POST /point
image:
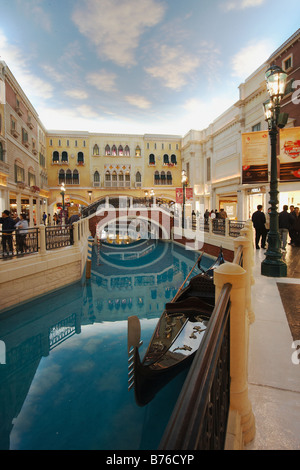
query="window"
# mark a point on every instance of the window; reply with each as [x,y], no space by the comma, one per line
[68,143]
[148,145]
[59,142]
[31,178]
[120,150]
[75,177]
[156,178]
[76,143]
[24,137]
[114,150]
[138,179]
[170,146]
[68,176]
[19,174]
[137,151]
[289,87]
[121,179]
[55,157]
[127,151]
[127,179]
[287,63]
[177,147]
[256,127]
[80,158]
[169,177]
[107,150]
[208,171]
[51,142]
[162,146]
[84,143]
[151,159]
[95,150]
[163,178]
[61,177]
[166,159]
[96,178]
[173,159]
[64,157]
[107,178]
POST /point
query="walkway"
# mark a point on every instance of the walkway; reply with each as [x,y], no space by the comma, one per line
[274,380]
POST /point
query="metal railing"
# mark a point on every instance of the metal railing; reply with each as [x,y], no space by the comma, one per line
[199,419]
[19,243]
[58,236]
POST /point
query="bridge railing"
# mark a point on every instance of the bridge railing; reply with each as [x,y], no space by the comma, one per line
[216,384]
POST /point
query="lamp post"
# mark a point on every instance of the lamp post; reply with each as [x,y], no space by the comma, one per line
[273,264]
[90,195]
[62,192]
[184,185]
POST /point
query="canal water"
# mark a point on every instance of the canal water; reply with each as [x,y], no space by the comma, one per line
[63,380]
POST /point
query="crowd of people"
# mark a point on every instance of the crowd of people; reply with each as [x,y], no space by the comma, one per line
[12,223]
[289,226]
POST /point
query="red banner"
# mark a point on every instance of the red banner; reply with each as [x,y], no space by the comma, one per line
[188,195]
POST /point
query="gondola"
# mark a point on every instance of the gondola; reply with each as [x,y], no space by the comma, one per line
[176,338]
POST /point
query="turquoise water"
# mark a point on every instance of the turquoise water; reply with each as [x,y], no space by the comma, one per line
[64,381]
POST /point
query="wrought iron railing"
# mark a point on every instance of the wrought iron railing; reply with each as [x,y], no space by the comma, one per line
[58,236]
[18,243]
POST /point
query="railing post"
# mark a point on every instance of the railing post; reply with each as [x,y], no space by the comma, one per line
[42,247]
[247,265]
[75,233]
[239,402]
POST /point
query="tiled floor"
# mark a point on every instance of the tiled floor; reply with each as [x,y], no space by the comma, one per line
[274,379]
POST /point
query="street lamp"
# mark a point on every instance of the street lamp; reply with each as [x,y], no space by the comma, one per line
[273,264]
[90,195]
[184,185]
[62,192]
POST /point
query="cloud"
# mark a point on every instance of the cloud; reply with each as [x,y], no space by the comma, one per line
[252,56]
[34,87]
[242,4]
[77,94]
[115,26]
[138,101]
[102,80]
[174,66]
[34,9]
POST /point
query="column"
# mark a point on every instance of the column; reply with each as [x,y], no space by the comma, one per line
[236,276]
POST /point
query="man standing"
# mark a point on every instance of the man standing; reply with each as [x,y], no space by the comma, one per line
[284,225]
[259,220]
[8,226]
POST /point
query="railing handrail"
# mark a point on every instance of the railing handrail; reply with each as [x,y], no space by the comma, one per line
[185,428]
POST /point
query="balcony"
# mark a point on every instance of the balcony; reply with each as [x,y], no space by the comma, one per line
[19,111]
[14,132]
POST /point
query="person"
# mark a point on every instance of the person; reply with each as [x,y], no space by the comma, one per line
[284,220]
[8,226]
[222,214]
[259,220]
[21,234]
[44,218]
[292,213]
[295,229]
[72,219]
[213,214]
[206,216]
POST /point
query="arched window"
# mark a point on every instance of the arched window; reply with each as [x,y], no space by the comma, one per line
[137,151]
[120,150]
[64,156]
[114,178]
[156,177]
[75,177]
[107,179]
[163,177]
[138,177]
[151,159]
[114,150]
[121,179]
[96,177]
[55,156]
[127,151]
[107,150]
[80,157]
[173,159]
[68,176]
[166,158]
[61,177]
[169,177]
[127,179]
[96,150]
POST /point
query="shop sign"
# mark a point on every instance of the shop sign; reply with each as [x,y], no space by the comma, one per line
[290,154]
[255,157]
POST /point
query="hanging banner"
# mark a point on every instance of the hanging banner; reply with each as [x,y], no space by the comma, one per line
[189,194]
[179,195]
[255,157]
[290,154]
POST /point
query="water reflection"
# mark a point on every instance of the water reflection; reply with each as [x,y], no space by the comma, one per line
[64,381]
